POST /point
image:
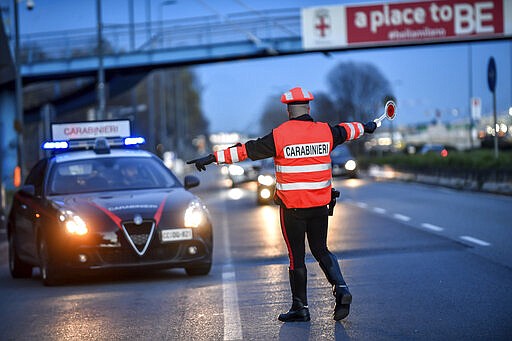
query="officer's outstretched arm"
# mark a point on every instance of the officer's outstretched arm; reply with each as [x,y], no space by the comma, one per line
[355,130]
[202,162]
[226,156]
[233,154]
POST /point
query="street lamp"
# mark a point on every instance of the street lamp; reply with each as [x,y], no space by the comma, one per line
[101,86]
[163,81]
[18,123]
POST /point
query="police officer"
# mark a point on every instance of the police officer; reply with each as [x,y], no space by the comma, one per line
[301,150]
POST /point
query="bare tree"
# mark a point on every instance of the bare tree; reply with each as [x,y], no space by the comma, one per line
[358,90]
[197,123]
[323,109]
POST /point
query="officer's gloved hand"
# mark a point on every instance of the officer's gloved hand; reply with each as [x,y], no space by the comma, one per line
[370,127]
[202,162]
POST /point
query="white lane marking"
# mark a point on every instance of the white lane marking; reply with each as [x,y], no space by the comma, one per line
[232,325]
[424,225]
[361,204]
[445,190]
[475,240]
[432,227]
[231,309]
[401,217]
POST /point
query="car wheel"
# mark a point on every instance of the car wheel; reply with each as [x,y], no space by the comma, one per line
[199,270]
[18,268]
[49,271]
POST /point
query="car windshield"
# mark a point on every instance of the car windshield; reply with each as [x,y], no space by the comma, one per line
[109,174]
[340,151]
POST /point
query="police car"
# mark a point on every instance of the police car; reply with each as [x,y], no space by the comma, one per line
[99,203]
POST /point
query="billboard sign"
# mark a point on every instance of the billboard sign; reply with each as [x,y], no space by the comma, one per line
[405,22]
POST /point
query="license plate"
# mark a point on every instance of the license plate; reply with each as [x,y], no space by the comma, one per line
[176,235]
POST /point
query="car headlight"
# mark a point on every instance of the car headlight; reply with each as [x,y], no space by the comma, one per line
[235,170]
[350,165]
[195,214]
[265,193]
[266,180]
[74,224]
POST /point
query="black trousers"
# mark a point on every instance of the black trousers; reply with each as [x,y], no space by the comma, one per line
[296,224]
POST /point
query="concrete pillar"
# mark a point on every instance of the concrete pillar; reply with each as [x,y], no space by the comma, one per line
[7,137]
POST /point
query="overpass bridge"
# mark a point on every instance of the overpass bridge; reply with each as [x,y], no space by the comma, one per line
[132,48]
[141,47]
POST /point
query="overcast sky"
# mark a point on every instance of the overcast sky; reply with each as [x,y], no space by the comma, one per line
[425,79]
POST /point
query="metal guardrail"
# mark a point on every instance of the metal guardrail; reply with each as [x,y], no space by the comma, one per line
[493,181]
[258,27]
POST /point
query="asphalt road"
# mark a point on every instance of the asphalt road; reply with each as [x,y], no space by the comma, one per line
[423,263]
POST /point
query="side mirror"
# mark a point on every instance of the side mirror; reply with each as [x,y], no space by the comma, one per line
[28,189]
[191,181]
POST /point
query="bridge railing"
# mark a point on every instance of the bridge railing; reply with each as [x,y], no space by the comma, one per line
[257,27]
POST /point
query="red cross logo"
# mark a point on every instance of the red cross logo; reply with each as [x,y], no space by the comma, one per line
[323,23]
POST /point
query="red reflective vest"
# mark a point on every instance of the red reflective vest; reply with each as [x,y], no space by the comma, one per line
[303,163]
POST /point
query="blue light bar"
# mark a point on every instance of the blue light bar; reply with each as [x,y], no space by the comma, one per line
[132,141]
[54,145]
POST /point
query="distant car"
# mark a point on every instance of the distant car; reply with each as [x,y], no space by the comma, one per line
[434,149]
[241,172]
[266,182]
[106,208]
[343,163]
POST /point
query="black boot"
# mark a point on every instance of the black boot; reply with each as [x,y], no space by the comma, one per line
[331,268]
[343,300]
[299,312]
